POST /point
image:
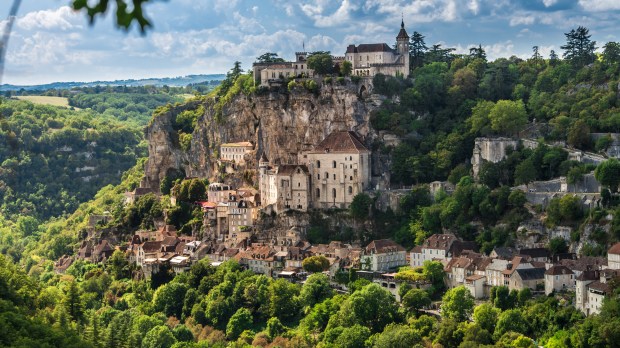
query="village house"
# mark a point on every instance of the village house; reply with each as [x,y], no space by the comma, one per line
[439,247]
[218,192]
[532,278]
[494,272]
[468,264]
[559,278]
[275,72]
[339,169]
[383,255]
[613,257]
[241,216]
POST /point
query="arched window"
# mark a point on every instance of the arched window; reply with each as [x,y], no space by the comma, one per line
[318,164]
[326,175]
[334,193]
[333,164]
[350,190]
[318,193]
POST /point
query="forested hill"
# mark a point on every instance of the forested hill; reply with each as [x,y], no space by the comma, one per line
[54,158]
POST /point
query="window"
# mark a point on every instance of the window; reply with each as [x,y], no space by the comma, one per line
[333,164]
[318,175]
[318,193]
[350,190]
[326,176]
[318,164]
[334,176]
[334,193]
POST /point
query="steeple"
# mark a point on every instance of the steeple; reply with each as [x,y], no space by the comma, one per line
[402,34]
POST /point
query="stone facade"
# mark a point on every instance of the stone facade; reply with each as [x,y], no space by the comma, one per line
[285,186]
[339,169]
[491,150]
[236,152]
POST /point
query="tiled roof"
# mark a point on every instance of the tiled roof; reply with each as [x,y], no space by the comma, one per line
[558,270]
[341,141]
[151,246]
[289,169]
[531,273]
[615,249]
[505,253]
[599,287]
[535,252]
[369,48]
[439,241]
[402,34]
[381,246]
[239,144]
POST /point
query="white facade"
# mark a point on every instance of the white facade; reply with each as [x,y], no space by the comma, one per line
[235,151]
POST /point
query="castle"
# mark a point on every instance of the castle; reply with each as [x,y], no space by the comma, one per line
[366,60]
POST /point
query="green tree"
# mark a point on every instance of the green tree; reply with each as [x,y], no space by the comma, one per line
[314,264]
[315,290]
[579,135]
[579,49]
[486,316]
[457,304]
[611,53]
[72,301]
[525,172]
[416,299]
[159,337]
[558,245]
[508,117]
[168,298]
[608,174]
[321,62]
[346,68]
[397,335]
[434,272]
[360,206]
[269,57]
[417,49]
[354,336]
[502,298]
[117,265]
[239,322]
[274,328]
[371,306]
[283,302]
[510,321]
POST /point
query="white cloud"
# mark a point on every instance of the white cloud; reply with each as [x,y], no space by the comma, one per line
[473,6]
[63,18]
[163,42]
[599,5]
[340,16]
[522,20]
[549,3]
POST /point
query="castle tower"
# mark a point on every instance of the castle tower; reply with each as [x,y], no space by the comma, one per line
[402,47]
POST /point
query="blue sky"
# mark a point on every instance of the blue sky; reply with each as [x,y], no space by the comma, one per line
[52,43]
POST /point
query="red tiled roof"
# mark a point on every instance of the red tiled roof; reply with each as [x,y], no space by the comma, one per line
[615,249]
[341,141]
[380,246]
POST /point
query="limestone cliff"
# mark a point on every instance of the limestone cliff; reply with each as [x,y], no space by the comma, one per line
[281,124]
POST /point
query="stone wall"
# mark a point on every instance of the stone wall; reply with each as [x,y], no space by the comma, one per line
[490,149]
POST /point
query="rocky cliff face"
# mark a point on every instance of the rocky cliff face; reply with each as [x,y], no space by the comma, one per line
[280,124]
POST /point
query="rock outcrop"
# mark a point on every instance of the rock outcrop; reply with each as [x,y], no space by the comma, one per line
[280,124]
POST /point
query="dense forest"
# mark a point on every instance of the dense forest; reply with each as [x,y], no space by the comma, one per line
[449,100]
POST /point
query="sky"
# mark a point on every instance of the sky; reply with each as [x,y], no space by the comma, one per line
[51,43]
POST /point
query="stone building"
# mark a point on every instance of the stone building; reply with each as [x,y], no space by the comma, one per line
[339,169]
[380,58]
[285,186]
[218,192]
[383,255]
[276,72]
[613,257]
[559,278]
[236,152]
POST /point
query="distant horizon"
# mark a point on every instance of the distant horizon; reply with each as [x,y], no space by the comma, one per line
[108,80]
[51,43]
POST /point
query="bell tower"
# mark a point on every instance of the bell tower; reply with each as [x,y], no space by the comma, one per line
[402,48]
